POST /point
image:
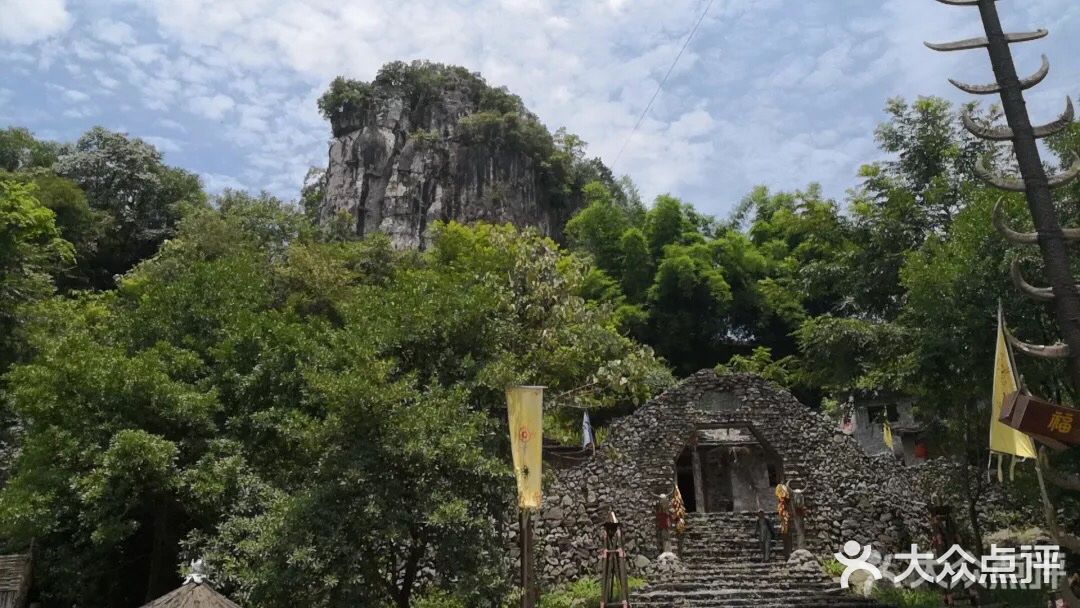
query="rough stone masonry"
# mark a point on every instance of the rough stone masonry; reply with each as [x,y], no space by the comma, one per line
[850,495]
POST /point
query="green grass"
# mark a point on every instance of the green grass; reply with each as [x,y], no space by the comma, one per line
[910,598]
[437,599]
[583,593]
[932,597]
[1019,598]
[832,567]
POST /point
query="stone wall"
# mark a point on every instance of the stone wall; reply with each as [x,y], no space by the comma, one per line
[1009,503]
[850,495]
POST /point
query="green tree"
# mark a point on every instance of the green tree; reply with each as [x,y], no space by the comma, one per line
[665,224]
[78,224]
[903,202]
[318,420]
[598,228]
[688,301]
[636,264]
[125,178]
[20,150]
[629,197]
[31,253]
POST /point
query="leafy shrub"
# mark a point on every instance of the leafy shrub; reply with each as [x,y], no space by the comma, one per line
[909,598]
[438,599]
[345,96]
[931,597]
[832,567]
[1020,598]
[582,593]
[426,136]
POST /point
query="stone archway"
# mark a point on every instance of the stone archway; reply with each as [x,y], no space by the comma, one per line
[727,468]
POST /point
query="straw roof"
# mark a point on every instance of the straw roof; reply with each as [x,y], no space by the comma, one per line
[14,571]
[192,595]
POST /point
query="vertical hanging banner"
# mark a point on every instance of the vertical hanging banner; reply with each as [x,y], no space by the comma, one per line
[1003,439]
[525,407]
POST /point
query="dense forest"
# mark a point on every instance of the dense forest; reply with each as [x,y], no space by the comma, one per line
[320,417]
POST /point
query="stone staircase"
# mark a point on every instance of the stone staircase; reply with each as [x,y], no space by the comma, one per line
[721,567]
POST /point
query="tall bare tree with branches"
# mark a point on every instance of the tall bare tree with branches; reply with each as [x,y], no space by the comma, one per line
[1063,293]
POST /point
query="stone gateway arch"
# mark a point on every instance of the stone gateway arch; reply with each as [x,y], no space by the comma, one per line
[725,440]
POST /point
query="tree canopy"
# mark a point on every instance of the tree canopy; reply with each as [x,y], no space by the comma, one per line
[288,409]
[321,418]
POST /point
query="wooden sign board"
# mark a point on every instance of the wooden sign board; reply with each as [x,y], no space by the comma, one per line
[1041,419]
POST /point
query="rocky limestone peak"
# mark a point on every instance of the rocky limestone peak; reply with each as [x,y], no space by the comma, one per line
[425,142]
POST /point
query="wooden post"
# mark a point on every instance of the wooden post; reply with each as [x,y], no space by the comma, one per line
[606,574]
[528,598]
[614,566]
[798,512]
[699,482]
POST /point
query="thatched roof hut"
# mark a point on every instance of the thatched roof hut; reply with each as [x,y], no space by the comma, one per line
[192,594]
[196,592]
[14,580]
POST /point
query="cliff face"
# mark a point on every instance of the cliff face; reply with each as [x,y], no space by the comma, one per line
[424,143]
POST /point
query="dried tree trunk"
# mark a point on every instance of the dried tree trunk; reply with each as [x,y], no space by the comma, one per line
[1051,240]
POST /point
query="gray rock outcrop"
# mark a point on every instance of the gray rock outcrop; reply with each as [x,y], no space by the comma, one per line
[426,142]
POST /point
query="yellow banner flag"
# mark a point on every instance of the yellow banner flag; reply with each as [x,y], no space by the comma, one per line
[1003,438]
[887,434]
[525,406]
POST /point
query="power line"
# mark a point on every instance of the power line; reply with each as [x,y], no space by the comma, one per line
[662,83]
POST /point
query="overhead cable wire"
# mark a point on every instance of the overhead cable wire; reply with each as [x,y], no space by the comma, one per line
[663,81]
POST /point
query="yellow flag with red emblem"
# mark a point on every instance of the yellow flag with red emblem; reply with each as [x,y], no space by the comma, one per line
[525,408]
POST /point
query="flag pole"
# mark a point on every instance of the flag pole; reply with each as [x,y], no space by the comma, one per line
[525,417]
[527,597]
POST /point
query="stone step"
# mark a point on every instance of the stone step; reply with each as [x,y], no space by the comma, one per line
[787,601]
[750,598]
[697,576]
[689,584]
[729,555]
[747,597]
[721,567]
[757,603]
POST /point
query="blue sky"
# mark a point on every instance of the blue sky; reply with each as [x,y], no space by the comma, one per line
[774,92]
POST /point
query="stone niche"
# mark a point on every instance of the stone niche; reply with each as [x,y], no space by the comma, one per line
[748,434]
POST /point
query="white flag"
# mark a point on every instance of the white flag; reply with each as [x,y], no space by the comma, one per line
[586,432]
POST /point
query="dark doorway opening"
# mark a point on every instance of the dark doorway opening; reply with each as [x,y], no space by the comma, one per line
[684,478]
[725,469]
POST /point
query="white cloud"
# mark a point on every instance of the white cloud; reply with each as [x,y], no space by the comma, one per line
[752,92]
[770,91]
[213,107]
[693,125]
[172,124]
[216,182]
[79,113]
[116,33]
[163,144]
[85,49]
[27,21]
[105,80]
[75,96]
[146,53]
